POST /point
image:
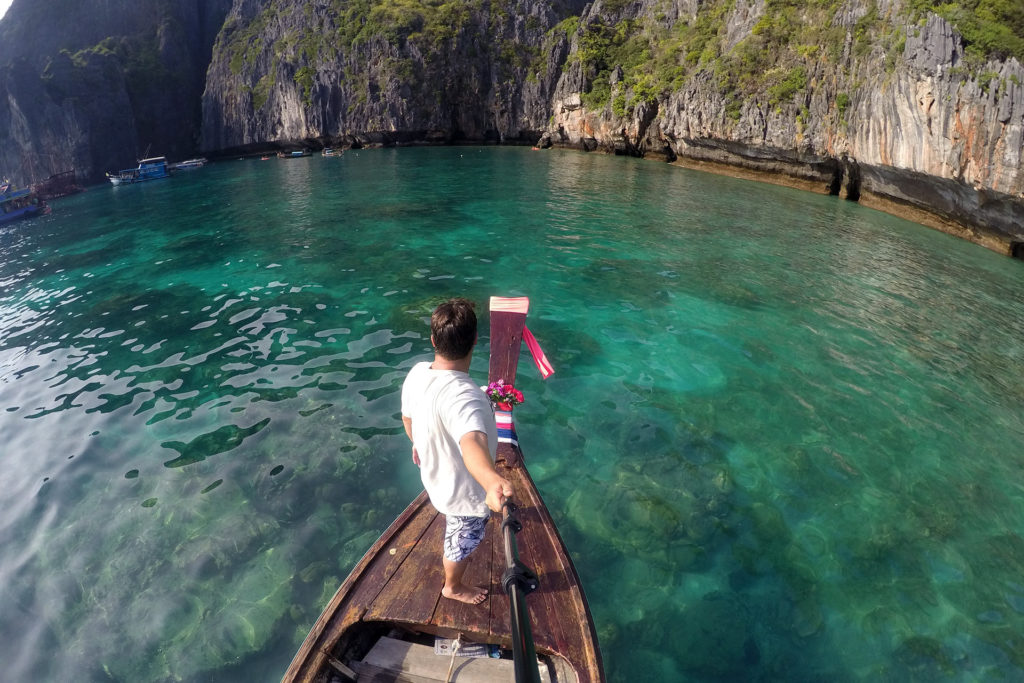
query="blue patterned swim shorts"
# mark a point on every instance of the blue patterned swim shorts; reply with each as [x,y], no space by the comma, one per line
[462,535]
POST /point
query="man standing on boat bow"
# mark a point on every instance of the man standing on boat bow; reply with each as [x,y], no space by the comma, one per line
[451,425]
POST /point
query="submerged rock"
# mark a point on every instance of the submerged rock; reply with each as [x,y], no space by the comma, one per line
[714,638]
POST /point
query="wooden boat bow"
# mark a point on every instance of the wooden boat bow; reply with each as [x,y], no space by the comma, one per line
[397,584]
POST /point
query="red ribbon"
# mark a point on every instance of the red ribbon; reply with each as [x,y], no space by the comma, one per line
[543,364]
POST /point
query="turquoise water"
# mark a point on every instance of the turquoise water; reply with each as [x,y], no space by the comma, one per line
[783,440]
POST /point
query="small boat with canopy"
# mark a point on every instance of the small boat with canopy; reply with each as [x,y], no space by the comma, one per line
[17,204]
[153,168]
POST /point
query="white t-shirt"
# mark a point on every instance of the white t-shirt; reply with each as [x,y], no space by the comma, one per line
[444,406]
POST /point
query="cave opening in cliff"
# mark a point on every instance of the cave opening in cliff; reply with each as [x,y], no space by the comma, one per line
[1017,250]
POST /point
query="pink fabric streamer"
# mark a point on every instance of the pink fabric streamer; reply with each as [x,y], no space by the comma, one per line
[543,364]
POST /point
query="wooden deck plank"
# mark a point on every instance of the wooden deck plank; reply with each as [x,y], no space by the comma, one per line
[571,633]
[463,617]
[499,625]
[403,598]
[385,564]
[565,592]
[359,590]
[538,552]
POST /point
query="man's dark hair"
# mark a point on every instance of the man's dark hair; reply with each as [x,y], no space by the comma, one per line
[453,326]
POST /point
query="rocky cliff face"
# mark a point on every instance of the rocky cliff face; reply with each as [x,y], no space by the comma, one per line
[855,96]
[924,131]
[891,110]
[344,72]
[93,86]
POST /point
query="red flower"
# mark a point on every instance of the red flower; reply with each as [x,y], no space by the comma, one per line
[499,392]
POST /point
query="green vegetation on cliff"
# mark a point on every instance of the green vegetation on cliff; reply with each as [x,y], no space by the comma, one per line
[991,28]
[139,59]
[408,35]
[242,43]
[647,60]
[775,57]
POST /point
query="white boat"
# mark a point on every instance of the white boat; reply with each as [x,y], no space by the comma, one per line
[189,164]
[152,168]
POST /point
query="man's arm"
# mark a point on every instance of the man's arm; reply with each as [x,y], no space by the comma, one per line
[407,421]
[478,461]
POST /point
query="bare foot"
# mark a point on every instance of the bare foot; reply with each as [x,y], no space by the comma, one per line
[463,593]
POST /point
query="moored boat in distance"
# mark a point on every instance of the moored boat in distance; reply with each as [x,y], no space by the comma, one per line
[294,154]
[189,164]
[152,168]
[16,204]
[389,622]
[330,152]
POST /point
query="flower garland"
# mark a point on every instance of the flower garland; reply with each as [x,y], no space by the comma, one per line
[503,395]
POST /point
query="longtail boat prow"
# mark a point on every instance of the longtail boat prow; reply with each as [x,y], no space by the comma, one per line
[389,622]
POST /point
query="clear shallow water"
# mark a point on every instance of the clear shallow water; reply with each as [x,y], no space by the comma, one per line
[782,442]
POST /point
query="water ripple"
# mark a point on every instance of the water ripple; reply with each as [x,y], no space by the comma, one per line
[774,396]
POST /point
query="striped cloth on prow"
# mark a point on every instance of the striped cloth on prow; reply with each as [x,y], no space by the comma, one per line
[506,429]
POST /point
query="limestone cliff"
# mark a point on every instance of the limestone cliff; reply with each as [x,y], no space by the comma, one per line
[92,86]
[865,96]
[370,73]
[907,121]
